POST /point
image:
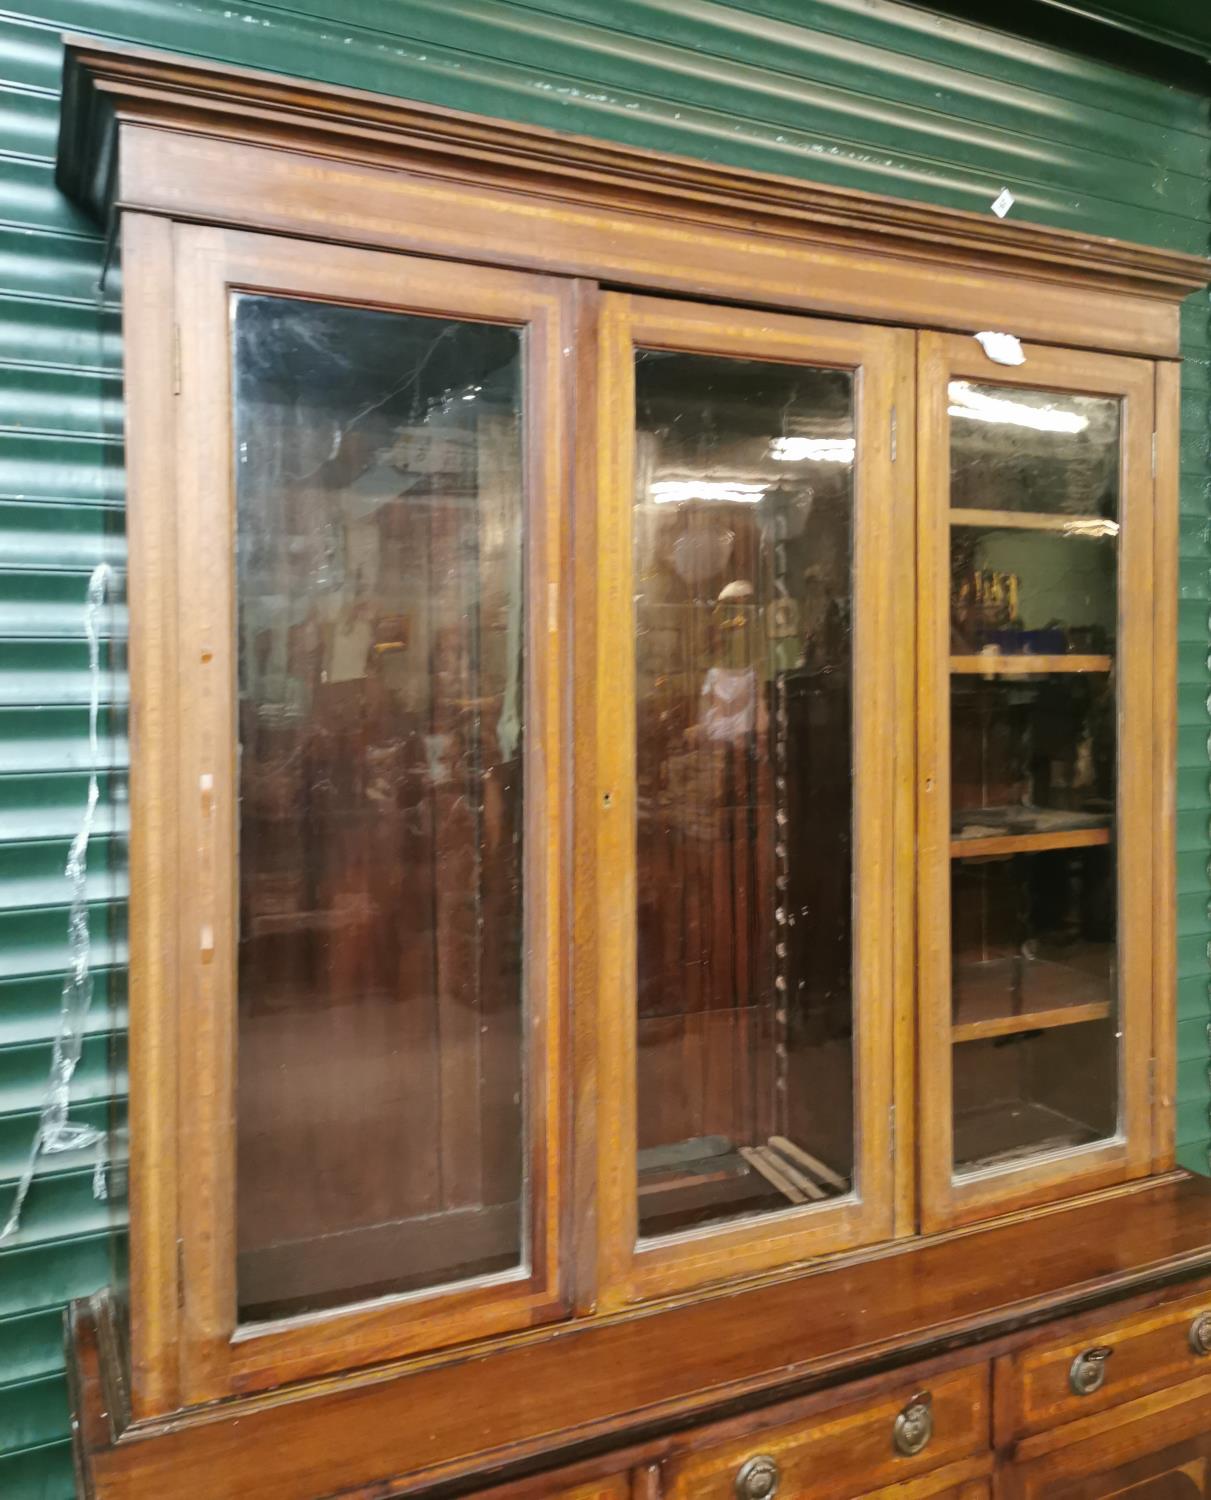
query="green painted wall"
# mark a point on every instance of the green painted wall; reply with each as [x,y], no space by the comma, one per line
[859,92]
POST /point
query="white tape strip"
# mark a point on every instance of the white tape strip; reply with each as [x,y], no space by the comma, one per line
[55,1131]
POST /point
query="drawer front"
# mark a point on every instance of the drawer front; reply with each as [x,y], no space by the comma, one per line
[616,1487]
[1156,1448]
[932,1488]
[849,1450]
[1065,1379]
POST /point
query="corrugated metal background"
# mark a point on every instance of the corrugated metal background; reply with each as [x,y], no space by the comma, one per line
[858,92]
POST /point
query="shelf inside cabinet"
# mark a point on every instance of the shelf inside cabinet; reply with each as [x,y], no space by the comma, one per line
[1003,1132]
[711,1177]
[991,665]
[980,832]
[1034,520]
[1012,994]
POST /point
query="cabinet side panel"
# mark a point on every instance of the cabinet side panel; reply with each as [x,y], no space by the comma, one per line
[148,329]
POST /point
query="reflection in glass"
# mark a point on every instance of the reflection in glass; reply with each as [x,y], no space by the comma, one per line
[1021,592]
[379,566]
[1033,772]
[743,523]
[1032,754]
[1049,452]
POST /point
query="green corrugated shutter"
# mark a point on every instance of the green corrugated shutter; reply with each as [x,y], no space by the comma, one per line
[857,92]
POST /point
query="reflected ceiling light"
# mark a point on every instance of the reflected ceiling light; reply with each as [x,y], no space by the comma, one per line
[966,401]
[678,491]
[793,450]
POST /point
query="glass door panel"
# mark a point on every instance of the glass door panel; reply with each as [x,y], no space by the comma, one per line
[743,539]
[382,731]
[747,1011]
[1029,523]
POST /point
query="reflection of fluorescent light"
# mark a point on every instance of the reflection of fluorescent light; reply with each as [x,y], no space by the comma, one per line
[678,491]
[793,450]
[968,402]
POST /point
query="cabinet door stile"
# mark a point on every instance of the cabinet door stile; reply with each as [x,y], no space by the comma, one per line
[149,337]
[614,803]
[933,797]
[1165,595]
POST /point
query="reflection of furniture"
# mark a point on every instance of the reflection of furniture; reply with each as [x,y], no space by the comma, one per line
[918,1331]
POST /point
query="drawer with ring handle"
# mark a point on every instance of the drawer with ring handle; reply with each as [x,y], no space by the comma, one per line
[869,1442]
[1118,1357]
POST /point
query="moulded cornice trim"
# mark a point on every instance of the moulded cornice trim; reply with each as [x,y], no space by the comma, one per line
[106,86]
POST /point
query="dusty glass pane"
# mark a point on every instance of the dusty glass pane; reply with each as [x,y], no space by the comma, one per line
[1033,773]
[743,523]
[379,562]
[1044,451]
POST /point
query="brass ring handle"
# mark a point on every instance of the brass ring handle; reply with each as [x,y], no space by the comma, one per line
[1087,1372]
[757,1478]
[913,1427]
[1200,1334]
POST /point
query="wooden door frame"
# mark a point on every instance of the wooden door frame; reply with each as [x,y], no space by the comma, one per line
[881,359]
[945,1201]
[187,1052]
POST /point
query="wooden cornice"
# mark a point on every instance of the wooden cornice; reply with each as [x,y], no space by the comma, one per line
[107,87]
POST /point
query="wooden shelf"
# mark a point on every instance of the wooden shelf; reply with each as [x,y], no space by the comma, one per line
[1027,666]
[1017,836]
[985,1027]
[1034,520]
[709,1179]
[1000,1134]
[1051,993]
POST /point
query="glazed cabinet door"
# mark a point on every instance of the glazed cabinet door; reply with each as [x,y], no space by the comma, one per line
[370,772]
[744,801]
[1035,771]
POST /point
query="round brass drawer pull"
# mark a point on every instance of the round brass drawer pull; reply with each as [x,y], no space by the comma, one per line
[1200,1334]
[757,1478]
[913,1427]
[1087,1373]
